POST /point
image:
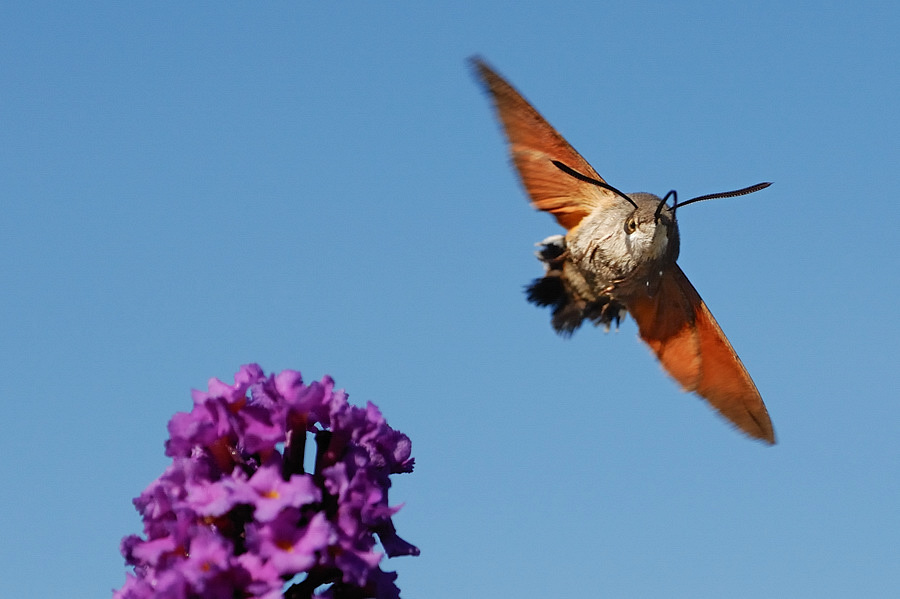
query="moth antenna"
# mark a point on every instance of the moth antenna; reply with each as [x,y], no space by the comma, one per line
[572,172]
[662,203]
[726,194]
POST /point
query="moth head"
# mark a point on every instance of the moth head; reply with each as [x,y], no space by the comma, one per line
[650,229]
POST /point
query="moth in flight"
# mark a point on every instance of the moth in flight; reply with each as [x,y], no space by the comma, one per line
[618,257]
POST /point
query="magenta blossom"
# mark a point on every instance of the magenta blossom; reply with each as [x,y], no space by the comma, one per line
[237,516]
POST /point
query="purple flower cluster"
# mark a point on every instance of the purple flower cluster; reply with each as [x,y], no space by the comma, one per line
[236,515]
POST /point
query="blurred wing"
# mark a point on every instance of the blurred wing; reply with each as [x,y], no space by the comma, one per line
[534,144]
[680,329]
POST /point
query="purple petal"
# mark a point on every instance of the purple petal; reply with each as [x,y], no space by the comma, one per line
[273,493]
[291,549]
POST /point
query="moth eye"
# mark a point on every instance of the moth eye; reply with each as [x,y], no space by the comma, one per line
[630,225]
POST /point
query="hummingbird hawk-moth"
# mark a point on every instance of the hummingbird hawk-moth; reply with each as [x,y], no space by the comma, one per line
[618,257]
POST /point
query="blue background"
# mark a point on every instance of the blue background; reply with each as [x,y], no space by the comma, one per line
[322,186]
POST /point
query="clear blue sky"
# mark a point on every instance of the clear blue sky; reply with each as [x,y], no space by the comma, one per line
[322,186]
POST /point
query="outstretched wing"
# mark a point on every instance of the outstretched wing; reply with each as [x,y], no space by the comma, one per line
[534,145]
[680,329]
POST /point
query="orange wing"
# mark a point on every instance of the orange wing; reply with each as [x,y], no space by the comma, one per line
[680,329]
[534,144]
